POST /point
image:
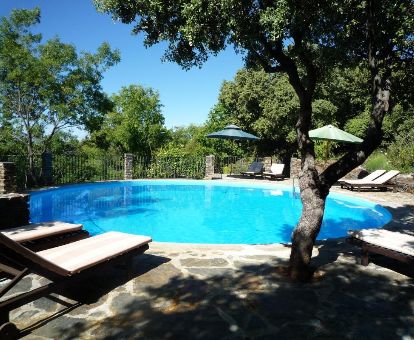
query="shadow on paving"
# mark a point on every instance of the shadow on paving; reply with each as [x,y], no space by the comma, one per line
[90,292]
[258,302]
[402,219]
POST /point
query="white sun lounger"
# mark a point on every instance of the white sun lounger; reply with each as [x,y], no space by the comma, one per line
[276,171]
[380,241]
[369,178]
[379,183]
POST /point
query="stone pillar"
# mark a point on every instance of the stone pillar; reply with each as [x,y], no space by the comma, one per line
[267,161]
[14,210]
[295,167]
[210,160]
[47,168]
[128,165]
[7,177]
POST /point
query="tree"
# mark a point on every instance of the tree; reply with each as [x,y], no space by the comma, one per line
[265,105]
[186,141]
[303,39]
[46,88]
[136,123]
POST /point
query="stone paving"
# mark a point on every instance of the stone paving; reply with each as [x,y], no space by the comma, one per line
[188,291]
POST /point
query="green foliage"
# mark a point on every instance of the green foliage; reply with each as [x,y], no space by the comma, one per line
[401,153]
[136,124]
[358,125]
[264,105]
[78,168]
[177,167]
[45,88]
[377,161]
[322,46]
[185,141]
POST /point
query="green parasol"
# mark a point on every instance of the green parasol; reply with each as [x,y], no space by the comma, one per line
[330,133]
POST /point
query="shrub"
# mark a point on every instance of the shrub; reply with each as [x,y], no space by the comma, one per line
[377,160]
[401,155]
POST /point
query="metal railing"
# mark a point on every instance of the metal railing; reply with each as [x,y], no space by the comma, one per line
[78,168]
[170,167]
[83,168]
[232,165]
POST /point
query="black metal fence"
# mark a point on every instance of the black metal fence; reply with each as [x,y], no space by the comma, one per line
[78,168]
[232,164]
[84,168]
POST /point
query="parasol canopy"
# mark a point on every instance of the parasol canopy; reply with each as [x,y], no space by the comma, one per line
[232,132]
[331,133]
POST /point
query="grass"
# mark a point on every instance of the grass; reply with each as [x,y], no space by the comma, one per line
[378,160]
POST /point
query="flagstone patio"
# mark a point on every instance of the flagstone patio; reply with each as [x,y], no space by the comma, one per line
[184,291]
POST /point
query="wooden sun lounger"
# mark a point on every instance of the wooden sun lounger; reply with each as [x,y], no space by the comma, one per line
[382,182]
[384,242]
[369,178]
[64,266]
[276,171]
[46,234]
[255,169]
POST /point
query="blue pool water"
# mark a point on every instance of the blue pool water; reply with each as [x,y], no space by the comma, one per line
[198,211]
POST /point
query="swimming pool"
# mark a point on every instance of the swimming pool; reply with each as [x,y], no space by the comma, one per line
[191,211]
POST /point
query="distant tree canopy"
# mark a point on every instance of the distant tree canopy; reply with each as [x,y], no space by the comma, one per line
[47,87]
[266,105]
[135,124]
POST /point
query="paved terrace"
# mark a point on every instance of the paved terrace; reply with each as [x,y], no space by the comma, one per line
[182,291]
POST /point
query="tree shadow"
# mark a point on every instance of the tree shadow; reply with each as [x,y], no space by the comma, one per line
[257,302]
[92,289]
[402,219]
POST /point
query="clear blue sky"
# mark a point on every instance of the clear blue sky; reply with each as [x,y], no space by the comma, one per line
[187,96]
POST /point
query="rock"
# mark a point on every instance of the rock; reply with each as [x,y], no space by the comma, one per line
[156,277]
[207,272]
[197,262]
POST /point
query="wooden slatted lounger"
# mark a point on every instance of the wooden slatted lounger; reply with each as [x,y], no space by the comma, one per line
[276,171]
[367,178]
[382,182]
[64,266]
[380,241]
[46,234]
[255,169]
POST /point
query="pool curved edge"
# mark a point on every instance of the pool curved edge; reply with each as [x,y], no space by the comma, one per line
[245,183]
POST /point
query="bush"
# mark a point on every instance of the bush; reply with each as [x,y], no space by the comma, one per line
[401,155]
[377,160]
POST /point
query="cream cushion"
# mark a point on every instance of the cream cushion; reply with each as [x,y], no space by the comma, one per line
[88,252]
[393,240]
[36,231]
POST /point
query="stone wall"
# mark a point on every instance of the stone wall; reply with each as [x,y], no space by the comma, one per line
[7,177]
[267,161]
[128,166]
[14,210]
[295,165]
[210,159]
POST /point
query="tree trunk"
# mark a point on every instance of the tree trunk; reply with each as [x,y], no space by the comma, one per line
[31,175]
[313,198]
[305,233]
